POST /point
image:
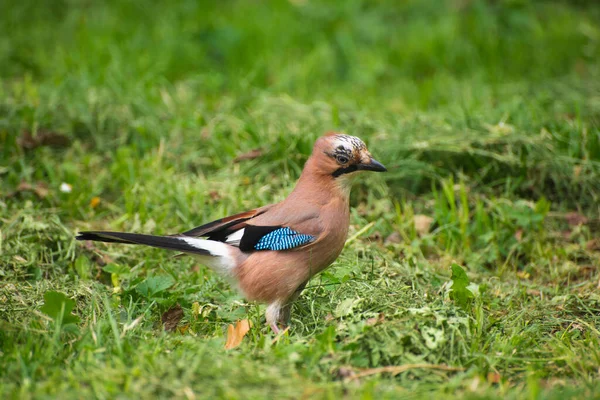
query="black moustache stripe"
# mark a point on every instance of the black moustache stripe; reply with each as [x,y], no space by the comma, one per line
[344,170]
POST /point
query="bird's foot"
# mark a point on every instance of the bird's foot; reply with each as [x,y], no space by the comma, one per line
[277,330]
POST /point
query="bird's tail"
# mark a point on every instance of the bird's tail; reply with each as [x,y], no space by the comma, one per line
[217,255]
[177,243]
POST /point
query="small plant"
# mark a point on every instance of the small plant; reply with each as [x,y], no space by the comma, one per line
[58,307]
[459,291]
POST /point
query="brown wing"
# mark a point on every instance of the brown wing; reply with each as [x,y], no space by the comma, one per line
[221,228]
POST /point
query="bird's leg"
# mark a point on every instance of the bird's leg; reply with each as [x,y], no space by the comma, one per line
[279,312]
[275,328]
[274,316]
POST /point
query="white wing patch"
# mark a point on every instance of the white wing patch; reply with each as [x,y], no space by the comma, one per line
[220,259]
[235,238]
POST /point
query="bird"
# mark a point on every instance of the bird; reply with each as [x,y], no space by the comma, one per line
[270,253]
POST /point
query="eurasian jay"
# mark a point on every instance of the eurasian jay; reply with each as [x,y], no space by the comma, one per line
[271,252]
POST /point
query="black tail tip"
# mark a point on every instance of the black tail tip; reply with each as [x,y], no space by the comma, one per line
[98,237]
[86,236]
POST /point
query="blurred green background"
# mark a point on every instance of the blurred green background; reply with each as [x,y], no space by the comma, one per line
[162,115]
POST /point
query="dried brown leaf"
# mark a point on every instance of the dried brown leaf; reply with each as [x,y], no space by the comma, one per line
[40,189]
[214,195]
[376,320]
[394,238]
[171,318]
[235,334]
[28,141]
[250,155]
[593,245]
[493,377]
[574,219]
[422,224]
[523,274]
[519,235]
[24,186]
[183,329]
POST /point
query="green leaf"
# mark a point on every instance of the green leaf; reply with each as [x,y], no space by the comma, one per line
[116,269]
[459,292]
[83,267]
[345,307]
[433,337]
[58,307]
[153,285]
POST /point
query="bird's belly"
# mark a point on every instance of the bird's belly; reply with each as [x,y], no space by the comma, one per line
[270,275]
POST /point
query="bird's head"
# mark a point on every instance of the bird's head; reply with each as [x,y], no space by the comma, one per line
[340,155]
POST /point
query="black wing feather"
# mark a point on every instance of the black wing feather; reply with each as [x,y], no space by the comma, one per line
[162,242]
[253,234]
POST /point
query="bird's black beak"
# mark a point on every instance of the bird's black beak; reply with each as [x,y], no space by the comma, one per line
[372,165]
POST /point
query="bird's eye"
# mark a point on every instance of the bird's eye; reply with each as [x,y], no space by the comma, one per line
[341,159]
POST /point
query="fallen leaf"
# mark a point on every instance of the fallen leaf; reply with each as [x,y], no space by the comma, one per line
[593,245]
[235,334]
[214,195]
[171,317]
[28,141]
[519,235]
[422,224]
[250,155]
[24,186]
[94,202]
[523,274]
[493,377]
[376,320]
[183,329]
[394,238]
[574,218]
[40,189]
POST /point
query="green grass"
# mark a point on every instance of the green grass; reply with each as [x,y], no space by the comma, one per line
[487,114]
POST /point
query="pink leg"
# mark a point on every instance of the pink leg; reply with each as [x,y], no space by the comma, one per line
[275,328]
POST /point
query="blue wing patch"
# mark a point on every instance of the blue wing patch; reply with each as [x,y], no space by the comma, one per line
[282,239]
